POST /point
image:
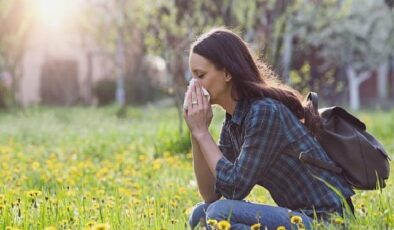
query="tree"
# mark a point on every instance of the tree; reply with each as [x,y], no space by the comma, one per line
[16,23]
[116,36]
[353,36]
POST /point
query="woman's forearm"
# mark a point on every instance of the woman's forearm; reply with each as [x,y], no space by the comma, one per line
[208,149]
[205,179]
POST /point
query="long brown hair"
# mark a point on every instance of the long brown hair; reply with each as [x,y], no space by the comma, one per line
[252,78]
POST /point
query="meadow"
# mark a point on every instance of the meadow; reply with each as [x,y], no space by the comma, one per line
[85,168]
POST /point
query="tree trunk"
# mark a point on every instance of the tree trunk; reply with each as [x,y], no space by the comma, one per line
[120,58]
[286,55]
[354,86]
[89,78]
[383,80]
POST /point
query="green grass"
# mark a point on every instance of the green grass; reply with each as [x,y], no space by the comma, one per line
[73,167]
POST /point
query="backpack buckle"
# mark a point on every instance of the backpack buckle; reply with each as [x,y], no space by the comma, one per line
[301,156]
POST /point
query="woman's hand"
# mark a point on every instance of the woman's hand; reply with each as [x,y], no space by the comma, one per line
[198,115]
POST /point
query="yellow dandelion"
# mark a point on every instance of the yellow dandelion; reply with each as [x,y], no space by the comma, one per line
[35,165]
[281,228]
[104,226]
[212,222]
[296,219]
[2,197]
[173,221]
[156,165]
[50,228]
[255,226]
[33,193]
[338,220]
[224,225]
[301,226]
[91,223]
[11,228]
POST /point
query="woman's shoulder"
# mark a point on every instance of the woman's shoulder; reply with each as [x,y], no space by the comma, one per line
[265,103]
[262,109]
[269,106]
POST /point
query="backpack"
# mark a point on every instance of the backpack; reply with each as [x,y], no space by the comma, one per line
[359,157]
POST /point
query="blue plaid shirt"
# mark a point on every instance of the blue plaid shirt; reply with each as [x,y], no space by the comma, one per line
[254,142]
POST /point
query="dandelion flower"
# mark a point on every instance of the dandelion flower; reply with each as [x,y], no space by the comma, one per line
[50,228]
[33,193]
[255,226]
[296,219]
[338,220]
[281,228]
[91,223]
[301,226]
[224,225]
[101,227]
[212,222]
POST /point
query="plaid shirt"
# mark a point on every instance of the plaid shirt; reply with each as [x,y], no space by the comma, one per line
[254,142]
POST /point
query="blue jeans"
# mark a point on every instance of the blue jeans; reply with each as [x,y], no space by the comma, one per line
[244,214]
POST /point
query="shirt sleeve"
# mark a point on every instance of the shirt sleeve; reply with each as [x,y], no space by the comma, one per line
[234,180]
[226,146]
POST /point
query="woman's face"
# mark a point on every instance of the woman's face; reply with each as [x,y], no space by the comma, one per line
[215,81]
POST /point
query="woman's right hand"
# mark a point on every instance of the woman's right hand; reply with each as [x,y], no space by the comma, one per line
[209,113]
[188,95]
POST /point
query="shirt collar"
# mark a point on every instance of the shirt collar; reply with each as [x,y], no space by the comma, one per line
[241,108]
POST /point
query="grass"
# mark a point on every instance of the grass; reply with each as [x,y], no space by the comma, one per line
[77,168]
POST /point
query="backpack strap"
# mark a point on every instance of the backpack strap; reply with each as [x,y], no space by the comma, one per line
[314,98]
[316,162]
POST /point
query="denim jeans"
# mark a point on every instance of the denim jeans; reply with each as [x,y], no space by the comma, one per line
[244,214]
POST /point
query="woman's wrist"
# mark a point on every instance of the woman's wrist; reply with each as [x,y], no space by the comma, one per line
[198,135]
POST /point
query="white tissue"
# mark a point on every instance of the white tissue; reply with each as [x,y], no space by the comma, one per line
[204,91]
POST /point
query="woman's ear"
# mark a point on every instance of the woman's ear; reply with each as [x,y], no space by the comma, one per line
[227,76]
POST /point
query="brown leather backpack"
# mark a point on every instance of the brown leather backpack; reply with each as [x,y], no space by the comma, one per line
[359,157]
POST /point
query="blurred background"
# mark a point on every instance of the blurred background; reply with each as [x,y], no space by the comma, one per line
[133,52]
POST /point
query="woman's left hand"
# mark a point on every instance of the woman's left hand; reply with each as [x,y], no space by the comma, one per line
[198,116]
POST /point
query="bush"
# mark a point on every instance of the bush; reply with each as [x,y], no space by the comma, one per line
[105,90]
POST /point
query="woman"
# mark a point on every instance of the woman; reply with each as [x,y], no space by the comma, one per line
[264,121]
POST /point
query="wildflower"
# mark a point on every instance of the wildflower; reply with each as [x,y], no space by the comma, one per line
[33,193]
[91,223]
[173,204]
[35,165]
[255,226]
[338,220]
[212,222]
[50,228]
[296,219]
[11,228]
[104,226]
[281,228]
[224,225]
[156,165]
[301,226]
[173,221]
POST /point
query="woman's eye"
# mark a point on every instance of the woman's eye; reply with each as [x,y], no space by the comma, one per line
[200,76]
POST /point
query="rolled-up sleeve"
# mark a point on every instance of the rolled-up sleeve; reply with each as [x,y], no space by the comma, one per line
[234,180]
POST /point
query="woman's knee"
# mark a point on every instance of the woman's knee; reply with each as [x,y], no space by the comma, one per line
[221,209]
[198,214]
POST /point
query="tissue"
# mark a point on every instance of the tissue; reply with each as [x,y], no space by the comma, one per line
[204,91]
